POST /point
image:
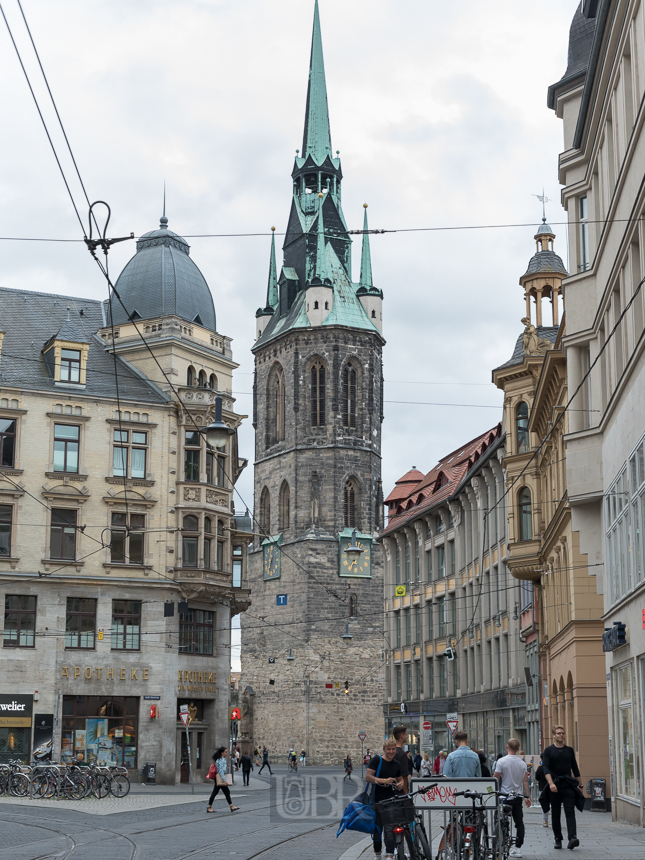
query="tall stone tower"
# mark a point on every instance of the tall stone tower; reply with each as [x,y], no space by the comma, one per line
[312,647]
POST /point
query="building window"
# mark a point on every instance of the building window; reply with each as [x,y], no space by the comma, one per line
[80,622]
[212,382]
[397,672]
[70,365]
[196,632]
[626,752]
[318,394]
[237,567]
[451,557]
[408,681]
[6,512]
[62,543]
[522,427]
[201,379]
[216,469]
[66,439]
[7,442]
[100,729]
[417,565]
[208,543]
[438,524]
[190,541]
[441,617]
[398,629]
[351,497]
[349,396]
[637,491]
[265,512]
[583,226]
[126,625]
[441,562]
[192,449]
[417,625]
[191,376]
[430,668]
[275,405]
[525,514]
[408,577]
[285,504]
[407,622]
[429,564]
[19,621]
[619,538]
[130,449]
[128,530]
[430,621]
[397,563]
[443,678]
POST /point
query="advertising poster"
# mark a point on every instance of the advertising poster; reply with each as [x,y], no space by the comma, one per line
[95,732]
[79,741]
[43,737]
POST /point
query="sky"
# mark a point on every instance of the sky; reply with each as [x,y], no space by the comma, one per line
[438,110]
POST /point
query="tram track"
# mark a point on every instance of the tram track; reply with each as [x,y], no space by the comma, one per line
[135,846]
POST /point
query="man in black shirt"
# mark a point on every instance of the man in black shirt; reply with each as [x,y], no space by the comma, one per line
[558,763]
[400,734]
[388,780]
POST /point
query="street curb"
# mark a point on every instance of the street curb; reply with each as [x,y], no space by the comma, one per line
[355,851]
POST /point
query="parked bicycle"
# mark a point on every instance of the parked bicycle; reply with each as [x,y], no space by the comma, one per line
[399,815]
[470,838]
[46,780]
[13,779]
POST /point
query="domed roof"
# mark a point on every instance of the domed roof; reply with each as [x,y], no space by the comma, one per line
[162,280]
[545,261]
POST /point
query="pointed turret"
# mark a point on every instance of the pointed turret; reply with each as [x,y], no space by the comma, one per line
[321,273]
[262,315]
[366,256]
[371,298]
[316,140]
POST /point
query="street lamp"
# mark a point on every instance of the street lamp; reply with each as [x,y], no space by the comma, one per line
[353,551]
[217,432]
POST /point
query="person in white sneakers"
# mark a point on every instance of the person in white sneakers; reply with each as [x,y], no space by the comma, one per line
[514,777]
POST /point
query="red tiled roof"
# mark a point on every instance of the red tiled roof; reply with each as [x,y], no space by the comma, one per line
[414,492]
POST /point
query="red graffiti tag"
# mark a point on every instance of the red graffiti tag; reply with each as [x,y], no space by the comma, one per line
[444,793]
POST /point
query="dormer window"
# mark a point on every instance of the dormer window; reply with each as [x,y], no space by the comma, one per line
[70,365]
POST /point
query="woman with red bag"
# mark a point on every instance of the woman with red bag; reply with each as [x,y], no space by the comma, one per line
[218,773]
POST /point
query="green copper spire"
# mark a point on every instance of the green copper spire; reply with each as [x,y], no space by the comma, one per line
[272,288]
[317,137]
[366,257]
[321,272]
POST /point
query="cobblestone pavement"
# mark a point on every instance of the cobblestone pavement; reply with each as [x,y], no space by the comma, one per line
[176,827]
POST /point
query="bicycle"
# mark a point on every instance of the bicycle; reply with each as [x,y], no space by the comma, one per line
[119,781]
[15,781]
[292,764]
[472,837]
[399,815]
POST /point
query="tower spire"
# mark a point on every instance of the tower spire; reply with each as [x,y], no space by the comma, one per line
[272,287]
[366,256]
[316,140]
[320,272]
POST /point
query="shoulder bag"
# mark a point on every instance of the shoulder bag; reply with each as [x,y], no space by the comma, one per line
[360,814]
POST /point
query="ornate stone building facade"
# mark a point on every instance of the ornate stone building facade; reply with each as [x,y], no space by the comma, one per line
[121,559]
[312,650]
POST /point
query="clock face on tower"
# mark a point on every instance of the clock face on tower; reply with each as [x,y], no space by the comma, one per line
[352,565]
[271,560]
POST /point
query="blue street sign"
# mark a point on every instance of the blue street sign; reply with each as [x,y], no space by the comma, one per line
[281,599]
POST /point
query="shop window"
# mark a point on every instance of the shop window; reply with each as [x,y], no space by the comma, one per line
[525,514]
[190,541]
[627,756]
[66,442]
[70,365]
[126,625]
[126,546]
[62,542]
[129,454]
[100,730]
[80,622]
[522,427]
[7,442]
[196,632]
[19,621]
[6,513]
[192,449]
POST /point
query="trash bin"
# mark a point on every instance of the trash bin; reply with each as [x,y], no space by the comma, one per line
[597,790]
[150,773]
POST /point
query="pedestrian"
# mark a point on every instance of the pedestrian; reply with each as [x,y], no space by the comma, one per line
[389,775]
[367,757]
[221,754]
[426,766]
[265,761]
[303,758]
[347,764]
[410,763]
[237,757]
[559,763]
[417,763]
[483,764]
[439,763]
[256,753]
[462,761]
[545,800]
[513,774]
[247,766]
[400,735]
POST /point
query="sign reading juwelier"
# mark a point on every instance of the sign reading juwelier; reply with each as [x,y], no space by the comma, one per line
[15,711]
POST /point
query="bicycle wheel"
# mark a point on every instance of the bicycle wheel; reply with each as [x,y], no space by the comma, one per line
[19,785]
[120,785]
[4,781]
[412,850]
[421,842]
[100,785]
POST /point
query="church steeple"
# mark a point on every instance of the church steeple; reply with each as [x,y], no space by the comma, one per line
[321,273]
[316,140]
[366,256]
[272,287]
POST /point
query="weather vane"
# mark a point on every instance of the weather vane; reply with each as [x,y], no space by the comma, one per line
[543,200]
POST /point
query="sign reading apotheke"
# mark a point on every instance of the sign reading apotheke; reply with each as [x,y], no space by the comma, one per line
[106,673]
[15,711]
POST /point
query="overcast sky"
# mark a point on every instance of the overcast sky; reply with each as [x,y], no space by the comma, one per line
[438,110]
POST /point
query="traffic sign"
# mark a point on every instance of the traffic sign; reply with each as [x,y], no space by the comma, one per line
[427,726]
[362,736]
[185,718]
[399,591]
[452,725]
[281,599]
[183,709]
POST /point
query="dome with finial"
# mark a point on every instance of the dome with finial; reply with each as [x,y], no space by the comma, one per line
[545,260]
[162,280]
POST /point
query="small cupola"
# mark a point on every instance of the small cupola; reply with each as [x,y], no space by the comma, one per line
[65,354]
[543,277]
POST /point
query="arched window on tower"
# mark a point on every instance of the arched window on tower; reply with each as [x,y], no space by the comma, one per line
[522,427]
[353,607]
[202,379]
[318,394]
[190,376]
[265,512]
[352,504]
[212,382]
[275,405]
[285,507]
[525,512]
[349,396]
